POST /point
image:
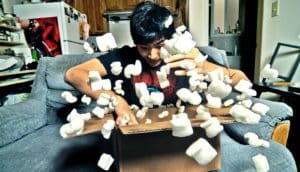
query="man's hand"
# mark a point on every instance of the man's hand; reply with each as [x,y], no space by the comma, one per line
[175,61]
[122,110]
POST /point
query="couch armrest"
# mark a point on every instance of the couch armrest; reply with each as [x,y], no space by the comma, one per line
[21,119]
[278,113]
[281,132]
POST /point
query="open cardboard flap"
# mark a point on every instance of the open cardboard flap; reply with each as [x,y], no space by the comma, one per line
[164,124]
[95,124]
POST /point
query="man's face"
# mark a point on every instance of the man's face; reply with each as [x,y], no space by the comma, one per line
[151,52]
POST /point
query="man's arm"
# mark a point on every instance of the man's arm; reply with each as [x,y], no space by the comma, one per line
[78,77]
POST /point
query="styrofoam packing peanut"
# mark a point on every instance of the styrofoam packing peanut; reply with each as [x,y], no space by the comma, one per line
[163,114]
[106,84]
[116,68]
[213,102]
[99,112]
[191,72]
[181,125]
[118,83]
[67,95]
[168,22]
[184,94]
[269,73]
[203,86]
[86,99]
[217,74]
[162,79]
[107,127]
[186,34]
[218,88]
[169,46]
[194,81]
[261,163]
[120,92]
[254,141]
[134,107]
[128,71]
[243,85]
[181,109]
[111,107]
[157,98]
[228,102]
[88,48]
[227,79]
[72,115]
[165,69]
[242,97]
[94,75]
[148,121]
[195,98]
[103,99]
[114,101]
[77,125]
[188,65]
[137,68]
[106,42]
[178,103]
[249,92]
[241,114]
[96,85]
[200,58]
[184,44]
[203,113]
[212,127]
[260,108]
[133,69]
[95,80]
[164,54]
[124,121]
[247,103]
[201,151]
[140,114]
[180,29]
[105,161]
[146,101]
[65,130]
[86,116]
[141,89]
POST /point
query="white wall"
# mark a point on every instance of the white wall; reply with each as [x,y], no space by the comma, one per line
[198,21]
[283,28]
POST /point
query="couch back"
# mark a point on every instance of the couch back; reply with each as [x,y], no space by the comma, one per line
[50,83]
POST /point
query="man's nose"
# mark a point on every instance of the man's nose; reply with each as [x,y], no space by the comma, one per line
[154,53]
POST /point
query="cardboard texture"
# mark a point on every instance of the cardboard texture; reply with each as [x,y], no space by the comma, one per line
[151,147]
[164,124]
[161,152]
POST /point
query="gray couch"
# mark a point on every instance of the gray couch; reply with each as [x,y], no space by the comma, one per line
[29,131]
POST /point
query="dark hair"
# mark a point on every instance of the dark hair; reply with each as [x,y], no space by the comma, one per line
[147,23]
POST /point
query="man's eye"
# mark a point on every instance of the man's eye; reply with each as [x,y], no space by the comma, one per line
[144,48]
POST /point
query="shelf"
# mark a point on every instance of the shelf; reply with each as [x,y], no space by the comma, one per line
[10,28]
[15,82]
[22,72]
[9,43]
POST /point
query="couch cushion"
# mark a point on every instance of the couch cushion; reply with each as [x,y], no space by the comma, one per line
[45,150]
[56,68]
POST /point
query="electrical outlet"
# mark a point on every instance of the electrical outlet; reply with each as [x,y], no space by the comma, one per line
[275,8]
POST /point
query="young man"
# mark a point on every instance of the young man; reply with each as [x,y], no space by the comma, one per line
[150,27]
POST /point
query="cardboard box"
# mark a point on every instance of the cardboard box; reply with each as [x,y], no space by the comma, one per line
[151,147]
